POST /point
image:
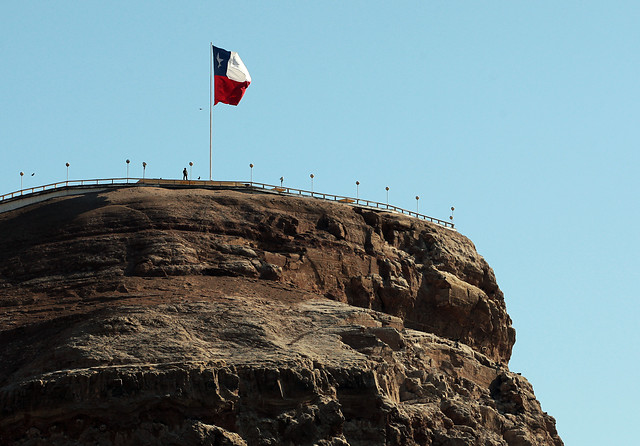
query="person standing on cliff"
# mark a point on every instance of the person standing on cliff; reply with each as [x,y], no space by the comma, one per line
[184,174]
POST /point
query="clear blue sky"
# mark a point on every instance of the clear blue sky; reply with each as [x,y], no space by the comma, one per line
[525,116]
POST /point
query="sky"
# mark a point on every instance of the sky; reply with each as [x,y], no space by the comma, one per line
[524,116]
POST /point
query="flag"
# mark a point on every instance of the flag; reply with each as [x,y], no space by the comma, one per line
[231,77]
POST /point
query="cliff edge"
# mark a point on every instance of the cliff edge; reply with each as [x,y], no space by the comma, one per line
[145,315]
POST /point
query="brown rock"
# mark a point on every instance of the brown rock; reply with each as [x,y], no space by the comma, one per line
[427,275]
[157,316]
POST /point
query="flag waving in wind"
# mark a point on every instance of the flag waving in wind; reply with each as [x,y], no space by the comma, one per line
[230,76]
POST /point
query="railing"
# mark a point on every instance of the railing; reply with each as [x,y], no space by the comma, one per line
[63,184]
[117,182]
[351,201]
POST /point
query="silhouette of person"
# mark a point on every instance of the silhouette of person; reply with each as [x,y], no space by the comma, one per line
[184,174]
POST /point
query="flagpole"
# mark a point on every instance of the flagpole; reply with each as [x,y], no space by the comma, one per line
[210,103]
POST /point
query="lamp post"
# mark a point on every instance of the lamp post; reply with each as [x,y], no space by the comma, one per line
[128,161]
[281,180]
[311,176]
[387,189]
[144,168]
[451,216]
[251,172]
[190,169]
[21,175]
[67,164]
[358,190]
[417,205]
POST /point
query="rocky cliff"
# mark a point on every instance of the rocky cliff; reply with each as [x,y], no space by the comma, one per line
[146,315]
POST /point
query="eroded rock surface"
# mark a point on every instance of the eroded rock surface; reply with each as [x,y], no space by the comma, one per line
[156,316]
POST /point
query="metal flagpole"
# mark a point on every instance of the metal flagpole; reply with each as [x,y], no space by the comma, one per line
[210,106]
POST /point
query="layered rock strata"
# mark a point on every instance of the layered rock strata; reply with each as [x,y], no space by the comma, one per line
[158,316]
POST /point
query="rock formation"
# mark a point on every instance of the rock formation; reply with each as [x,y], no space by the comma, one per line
[146,315]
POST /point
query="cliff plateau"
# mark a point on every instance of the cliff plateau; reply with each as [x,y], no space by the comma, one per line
[147,315]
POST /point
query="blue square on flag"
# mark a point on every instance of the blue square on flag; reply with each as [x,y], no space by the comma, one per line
[220,61]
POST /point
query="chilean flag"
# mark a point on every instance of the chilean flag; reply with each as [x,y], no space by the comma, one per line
[231,77]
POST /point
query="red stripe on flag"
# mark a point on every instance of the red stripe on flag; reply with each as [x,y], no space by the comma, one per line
[228,91]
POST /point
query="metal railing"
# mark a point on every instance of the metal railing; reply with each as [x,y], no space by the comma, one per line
[350,200]
[63,184]
[118,182]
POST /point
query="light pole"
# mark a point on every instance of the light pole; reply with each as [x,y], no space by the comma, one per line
[128,161]
[190,169]
[281,180]
[451,216]
[417,205]
[67,164]
[311,176]
[21,175]
[251,174]
[387,189]
[358,190]
[144,168]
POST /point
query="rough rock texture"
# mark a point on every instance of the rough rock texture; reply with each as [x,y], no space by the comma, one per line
[160,316]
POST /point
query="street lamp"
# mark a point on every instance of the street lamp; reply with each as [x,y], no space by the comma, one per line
[451,216]
[190,169]
[281,180]
[417,206]
[128,161]
[387,189]
[67,164]
[311,176]
[357,190]
[251,169]
[21,175]
[144,168]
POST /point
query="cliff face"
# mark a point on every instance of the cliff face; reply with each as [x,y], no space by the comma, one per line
[159,316]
